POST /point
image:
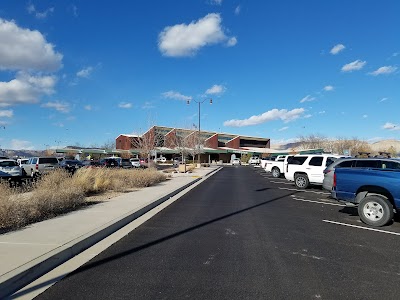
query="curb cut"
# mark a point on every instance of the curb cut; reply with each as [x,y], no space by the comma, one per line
[18,278]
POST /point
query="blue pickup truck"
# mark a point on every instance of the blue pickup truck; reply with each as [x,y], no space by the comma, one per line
[375,191]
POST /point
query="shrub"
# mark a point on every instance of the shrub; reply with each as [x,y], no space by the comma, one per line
[59,192]
[12,207]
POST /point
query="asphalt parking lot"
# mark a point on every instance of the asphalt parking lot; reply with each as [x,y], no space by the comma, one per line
[328,210]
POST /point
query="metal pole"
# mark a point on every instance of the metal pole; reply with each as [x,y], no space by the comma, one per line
[199,137]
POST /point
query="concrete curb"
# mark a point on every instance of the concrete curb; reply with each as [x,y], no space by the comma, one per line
[25,274]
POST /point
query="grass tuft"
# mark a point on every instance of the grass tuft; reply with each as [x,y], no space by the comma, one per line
[58,192]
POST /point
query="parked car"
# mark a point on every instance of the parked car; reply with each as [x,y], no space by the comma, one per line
[375,191]
[126,163]
[135,162]
[90,163]
[254,160]
[161,159]
[308,169]
[380,163]
[109,163]
[37,166]
[71,165]
[276,167]
[9,168]
[236,162]
[178,160]
[22,161]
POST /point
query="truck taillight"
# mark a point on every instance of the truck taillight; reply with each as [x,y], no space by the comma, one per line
[334,180]
[37,166]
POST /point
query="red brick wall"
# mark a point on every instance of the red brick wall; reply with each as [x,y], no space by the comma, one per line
[212,142]
[123,142]
[235,143]
[170,139]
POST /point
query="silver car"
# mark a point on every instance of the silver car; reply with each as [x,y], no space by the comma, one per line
[9,168]
[379,163]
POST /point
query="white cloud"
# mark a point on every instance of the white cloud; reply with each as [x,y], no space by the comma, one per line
[232,42]
[354,66]
[25,89]
[328,88]
[237,10]
[391,126]
[271,115]
[283,128]
[6,113]
[148,105]
[337,48]
[85,73]
[322,112]
[216,2]
[216,89]
[58,106]
[125,105]
[383,99]
[307,98]
[176,96]
[365,116]
[20,145]
[88,107]
[24,49]
[186,40]
[40,15]
[383,70]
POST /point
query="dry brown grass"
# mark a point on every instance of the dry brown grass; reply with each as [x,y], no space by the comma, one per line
[59,192]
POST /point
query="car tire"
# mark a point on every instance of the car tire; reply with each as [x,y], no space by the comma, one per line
[301,181]
[375,210]
[276,173]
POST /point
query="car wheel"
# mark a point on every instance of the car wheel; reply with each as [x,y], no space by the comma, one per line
[301,181]
[375,210]
[276,173]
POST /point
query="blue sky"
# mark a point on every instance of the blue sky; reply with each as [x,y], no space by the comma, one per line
[83,72]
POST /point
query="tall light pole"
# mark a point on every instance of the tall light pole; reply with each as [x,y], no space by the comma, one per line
[199,102]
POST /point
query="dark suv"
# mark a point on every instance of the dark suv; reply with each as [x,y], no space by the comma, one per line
[126,163]
[109,163]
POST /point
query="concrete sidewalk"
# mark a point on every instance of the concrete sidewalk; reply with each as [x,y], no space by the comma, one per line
[29,253]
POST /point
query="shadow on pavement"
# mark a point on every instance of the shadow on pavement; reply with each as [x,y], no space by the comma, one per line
[92,265]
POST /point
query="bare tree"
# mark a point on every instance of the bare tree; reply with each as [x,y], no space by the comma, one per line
[148,142]
[192,144]
[109,144]
[180,143]
[312,141]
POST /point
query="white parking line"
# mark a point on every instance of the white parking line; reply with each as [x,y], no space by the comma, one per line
[319,202]
[304,191]
[318,199]
[361,227]
[291,183]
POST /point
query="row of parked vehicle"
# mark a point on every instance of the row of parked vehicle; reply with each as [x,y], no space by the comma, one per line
[370,184]
[35,166]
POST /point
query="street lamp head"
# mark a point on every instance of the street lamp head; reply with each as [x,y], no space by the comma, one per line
[210,101]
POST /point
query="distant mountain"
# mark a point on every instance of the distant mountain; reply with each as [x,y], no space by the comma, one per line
[383,145]
[21,153]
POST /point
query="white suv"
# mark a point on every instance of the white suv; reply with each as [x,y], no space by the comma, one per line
[308,169]
[254,160]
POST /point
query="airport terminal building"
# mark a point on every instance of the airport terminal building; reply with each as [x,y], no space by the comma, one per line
[215,146]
